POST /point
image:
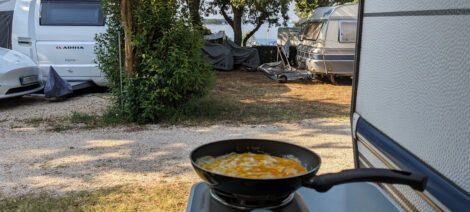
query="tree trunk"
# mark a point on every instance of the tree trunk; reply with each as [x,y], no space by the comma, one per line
[194,13]
[126,18]
[237,25]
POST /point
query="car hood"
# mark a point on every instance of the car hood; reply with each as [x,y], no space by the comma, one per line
[10,60]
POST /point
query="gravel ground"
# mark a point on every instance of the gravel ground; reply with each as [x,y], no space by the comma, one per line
[14,111]
[33,160]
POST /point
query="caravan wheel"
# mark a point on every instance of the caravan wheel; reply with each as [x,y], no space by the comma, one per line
[332,79]
[282,79]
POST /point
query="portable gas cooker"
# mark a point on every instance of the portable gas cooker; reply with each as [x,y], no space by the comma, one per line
[345,197]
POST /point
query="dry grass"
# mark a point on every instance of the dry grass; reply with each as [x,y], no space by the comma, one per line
[252,98]
[163,197]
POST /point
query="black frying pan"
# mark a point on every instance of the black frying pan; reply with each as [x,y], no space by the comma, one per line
[282,187]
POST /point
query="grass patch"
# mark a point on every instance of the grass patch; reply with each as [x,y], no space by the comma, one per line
[82,118]
[60,128]
[36,121]
[76,121]
[163,197]
[237,98]
[210,110]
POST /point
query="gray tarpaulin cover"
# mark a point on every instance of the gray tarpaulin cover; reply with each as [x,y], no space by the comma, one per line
[6,18]
[221,57]
[56,86]
[225,55]
[241,55]
[273,68]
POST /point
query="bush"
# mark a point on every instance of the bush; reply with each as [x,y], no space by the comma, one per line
[170,68]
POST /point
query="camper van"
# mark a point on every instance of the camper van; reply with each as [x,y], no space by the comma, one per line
[411,97]
[327,41]
[61,34]
[6,17]
[285,34]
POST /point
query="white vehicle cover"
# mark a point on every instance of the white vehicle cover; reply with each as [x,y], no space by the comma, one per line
[10,60]
[19,75]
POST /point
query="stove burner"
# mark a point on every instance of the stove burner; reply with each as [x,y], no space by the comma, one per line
[248,202]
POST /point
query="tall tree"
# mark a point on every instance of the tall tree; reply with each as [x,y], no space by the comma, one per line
[126,19]
[304,8]
[194,9]
[256,12]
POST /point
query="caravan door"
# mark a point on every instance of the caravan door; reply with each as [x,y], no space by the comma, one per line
[65,37]
[6,17]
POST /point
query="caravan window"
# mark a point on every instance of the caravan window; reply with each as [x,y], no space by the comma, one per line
[312,31]
[71,13]
[347,31]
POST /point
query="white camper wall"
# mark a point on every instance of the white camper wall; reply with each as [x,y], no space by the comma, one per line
[23,28]
[414,82]
[345,12]
[7,5]
[407,5]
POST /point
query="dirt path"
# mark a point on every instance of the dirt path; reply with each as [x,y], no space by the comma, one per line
[34,160]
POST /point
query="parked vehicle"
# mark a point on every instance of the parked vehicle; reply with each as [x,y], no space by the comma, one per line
[327,41]
[6,17]
[411,97]
[290,34]
[60,34]
[19,75]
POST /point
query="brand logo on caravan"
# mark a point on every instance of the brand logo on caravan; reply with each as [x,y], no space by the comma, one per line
[69,47]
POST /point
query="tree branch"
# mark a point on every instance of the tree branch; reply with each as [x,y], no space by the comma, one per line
[252,32]
[226,17]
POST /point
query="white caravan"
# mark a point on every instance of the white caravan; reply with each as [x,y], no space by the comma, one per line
[328,41]
[61,34]
[290,34]
[19,75]
[411,98]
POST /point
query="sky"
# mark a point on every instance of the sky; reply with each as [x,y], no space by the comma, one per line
[292,16]
[263,33]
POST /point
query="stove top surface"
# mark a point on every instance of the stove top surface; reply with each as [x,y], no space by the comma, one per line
[346,197]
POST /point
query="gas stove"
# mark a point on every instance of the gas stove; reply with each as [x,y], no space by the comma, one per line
[346,197]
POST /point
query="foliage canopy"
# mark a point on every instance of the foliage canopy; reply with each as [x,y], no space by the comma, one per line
[168,68]
[256,12]
[303,8]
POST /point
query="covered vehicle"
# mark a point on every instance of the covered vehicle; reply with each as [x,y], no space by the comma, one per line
[224,56]
[19,75]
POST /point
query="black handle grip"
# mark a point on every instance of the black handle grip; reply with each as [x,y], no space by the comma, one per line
[323,183]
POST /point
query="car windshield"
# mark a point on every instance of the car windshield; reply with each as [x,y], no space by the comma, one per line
[312,31]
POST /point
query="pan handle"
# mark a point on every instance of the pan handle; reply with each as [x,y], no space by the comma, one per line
[324,182]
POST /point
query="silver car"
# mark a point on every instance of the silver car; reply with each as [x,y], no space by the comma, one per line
[19,75]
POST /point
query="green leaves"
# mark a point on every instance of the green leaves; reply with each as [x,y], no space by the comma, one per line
[304,8]
[169,71]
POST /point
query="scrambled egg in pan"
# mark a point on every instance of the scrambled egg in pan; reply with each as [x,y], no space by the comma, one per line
[250,165]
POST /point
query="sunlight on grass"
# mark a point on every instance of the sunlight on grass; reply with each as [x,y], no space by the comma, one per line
[161,197]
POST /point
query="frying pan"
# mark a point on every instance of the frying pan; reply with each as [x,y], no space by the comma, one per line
[277,188]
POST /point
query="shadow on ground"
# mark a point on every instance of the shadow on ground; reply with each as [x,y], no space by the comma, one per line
[76,161]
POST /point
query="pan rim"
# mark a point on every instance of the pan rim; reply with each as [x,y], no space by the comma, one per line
[313,170]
